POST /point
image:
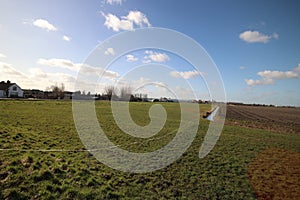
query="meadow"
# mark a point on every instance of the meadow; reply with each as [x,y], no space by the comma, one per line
[42,157]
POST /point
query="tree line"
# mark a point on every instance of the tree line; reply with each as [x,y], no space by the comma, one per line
[112,93]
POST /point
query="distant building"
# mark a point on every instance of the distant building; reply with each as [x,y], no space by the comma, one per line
[68,95]
[49,95]
[35,93]
[165,99]
[155,100]
[10,90]
[141,97]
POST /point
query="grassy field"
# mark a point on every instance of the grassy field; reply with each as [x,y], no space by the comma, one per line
[42,157]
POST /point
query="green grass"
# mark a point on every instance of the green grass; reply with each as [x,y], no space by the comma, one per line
[26,172]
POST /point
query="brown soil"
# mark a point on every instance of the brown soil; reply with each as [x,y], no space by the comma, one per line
[279,119]
[275,174]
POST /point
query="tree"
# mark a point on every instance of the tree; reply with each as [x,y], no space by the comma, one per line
[109,91]
[125,93]
[58,92]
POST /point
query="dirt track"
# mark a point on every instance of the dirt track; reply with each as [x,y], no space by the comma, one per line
[279,119]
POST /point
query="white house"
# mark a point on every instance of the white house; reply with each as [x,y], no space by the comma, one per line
[2,93]
[15,91]
[11,90]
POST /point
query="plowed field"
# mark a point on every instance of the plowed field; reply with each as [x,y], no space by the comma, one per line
[279,119]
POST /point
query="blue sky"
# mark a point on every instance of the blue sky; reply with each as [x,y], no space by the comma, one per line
[254,44]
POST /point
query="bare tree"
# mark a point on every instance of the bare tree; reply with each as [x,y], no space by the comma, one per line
[125,93]
[110,91]
[58,92]
[62,87]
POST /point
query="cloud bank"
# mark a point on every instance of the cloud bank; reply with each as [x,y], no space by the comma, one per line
[269,77]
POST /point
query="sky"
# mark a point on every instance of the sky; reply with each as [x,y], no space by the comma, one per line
[254,45]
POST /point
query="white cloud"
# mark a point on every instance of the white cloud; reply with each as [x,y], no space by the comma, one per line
[37,72]
[142,81]
[116,24]
[269,77]
[88,70]
[159,84]
[275,36]
[66,38]
[146,60]
[9,72]
[148,86]
[131,58]
[40,79]
[109,51]
[155,57]
[297,69]
[125,22]
[242,67]
[44,24]
[2,55]
[185,93]
[252,82]
[186,74]
[267,74]
[84,68]
[138,18]
[62,63]
[255,36]
[36,79]
[112,2]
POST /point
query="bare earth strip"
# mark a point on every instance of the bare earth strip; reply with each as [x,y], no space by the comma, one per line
[279,119]
[275,174]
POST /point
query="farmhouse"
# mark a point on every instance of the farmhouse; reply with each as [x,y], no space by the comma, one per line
[10,90]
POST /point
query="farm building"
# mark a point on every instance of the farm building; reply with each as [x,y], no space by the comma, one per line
[10,90]
[35,93]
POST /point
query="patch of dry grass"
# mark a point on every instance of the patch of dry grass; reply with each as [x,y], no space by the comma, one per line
[275,174]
